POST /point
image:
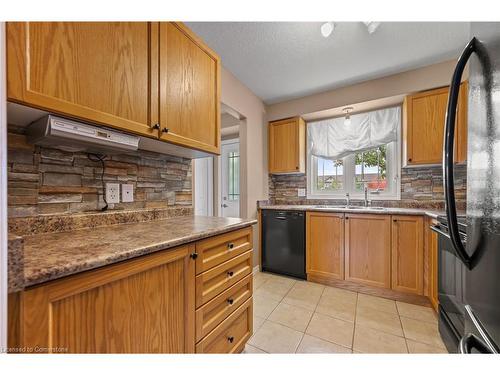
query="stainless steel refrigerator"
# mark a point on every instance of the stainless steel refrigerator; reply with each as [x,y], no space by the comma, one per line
[480,255]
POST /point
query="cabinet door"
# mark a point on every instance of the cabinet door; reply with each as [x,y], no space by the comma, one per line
[189,89]
[95,71]
[325,245]
[287,146]
[145,305]
[424,126]
[461,130]
[408,254]
[368,249]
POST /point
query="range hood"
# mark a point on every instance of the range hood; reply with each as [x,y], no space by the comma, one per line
[76,136]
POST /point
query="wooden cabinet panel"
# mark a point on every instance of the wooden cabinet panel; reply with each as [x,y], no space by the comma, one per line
[432,245]
[189,76]
[232,334]
[368,249]
[325,245]
[216,250]
[145,305]
[423,126]
[408,253]
[97,71]
[216,280]
[219,308]
[287,146]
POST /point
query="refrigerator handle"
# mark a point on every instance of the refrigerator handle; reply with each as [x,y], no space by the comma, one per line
[448,145]
[471,341]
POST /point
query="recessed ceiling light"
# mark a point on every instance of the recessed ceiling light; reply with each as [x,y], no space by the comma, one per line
[372,26]
[327,29]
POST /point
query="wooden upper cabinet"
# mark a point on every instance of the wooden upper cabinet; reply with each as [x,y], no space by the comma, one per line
[325,245]
[368,249]
[287,142]
[189,79]
[96,71]
[424,116]
[144,305]
[408,254]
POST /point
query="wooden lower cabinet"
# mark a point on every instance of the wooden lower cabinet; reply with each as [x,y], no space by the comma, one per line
[325,245]
[368,249]
[408,254]
[432,246]
[142,305]
[231,335]
[145,305]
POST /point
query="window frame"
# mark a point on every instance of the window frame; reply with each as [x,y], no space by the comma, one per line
[349,170]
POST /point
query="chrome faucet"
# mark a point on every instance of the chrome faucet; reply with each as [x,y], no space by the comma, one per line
[347,200]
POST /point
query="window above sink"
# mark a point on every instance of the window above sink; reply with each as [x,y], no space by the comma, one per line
[358,165]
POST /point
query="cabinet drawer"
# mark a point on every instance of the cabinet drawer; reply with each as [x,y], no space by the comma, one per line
[231,335]
[216,250]
[214,281]
[212,313]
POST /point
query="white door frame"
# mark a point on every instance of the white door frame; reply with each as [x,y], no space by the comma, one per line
[218,203]
[3,190]
[209,181]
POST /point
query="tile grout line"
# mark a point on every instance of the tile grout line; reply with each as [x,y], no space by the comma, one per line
[402,328]
[309,322]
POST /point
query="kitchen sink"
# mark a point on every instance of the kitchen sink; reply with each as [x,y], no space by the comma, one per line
[350,207]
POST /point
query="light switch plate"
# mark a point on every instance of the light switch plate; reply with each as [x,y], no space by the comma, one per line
[127,193]
[112,192]
[301,192]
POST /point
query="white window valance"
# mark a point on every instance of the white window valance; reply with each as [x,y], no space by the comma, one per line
[334,139]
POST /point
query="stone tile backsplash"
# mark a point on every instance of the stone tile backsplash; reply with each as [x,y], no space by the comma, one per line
[420,187]
[52,181]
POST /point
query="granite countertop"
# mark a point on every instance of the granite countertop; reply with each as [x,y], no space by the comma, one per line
[54,255]
[384,210]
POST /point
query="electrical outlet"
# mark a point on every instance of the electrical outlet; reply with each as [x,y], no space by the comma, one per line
[127,193]
[301,192]
[112,192]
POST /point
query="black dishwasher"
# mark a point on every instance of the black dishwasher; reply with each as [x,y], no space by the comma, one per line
[284,242]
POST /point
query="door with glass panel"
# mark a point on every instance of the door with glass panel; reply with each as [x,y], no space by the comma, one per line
[230,179]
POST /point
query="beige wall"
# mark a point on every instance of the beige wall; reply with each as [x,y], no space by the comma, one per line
[253,146]
[402,83]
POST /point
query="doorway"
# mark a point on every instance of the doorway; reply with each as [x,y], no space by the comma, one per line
[230,178]
[204,186]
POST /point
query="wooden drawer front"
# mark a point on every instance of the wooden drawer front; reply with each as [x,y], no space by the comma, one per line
[216,250]
[231,335]
[212,282]
[212,313]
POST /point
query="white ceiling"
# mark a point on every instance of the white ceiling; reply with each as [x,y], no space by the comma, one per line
[279,61]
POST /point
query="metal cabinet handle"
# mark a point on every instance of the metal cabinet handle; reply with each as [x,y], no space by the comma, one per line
[230,273]
[193,255]
[230,245]
[155,126]
[164,130]
[230,339]
[230,301]
[448,145]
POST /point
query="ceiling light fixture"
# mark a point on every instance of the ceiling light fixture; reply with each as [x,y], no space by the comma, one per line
[372,26]
[347,115]
[327,29]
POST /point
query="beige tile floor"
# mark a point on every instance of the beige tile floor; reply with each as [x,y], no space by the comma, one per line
[295,316]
